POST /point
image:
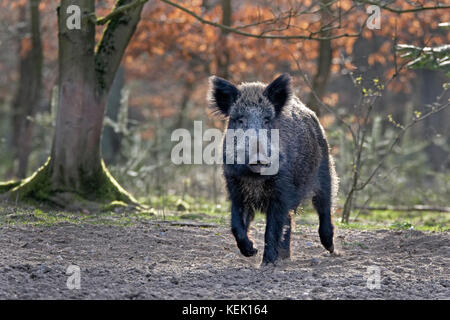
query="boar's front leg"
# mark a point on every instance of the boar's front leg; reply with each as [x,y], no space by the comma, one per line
[284,251]
[277,216]
[241,216]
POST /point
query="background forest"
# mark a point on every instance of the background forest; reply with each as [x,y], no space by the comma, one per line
[381,93]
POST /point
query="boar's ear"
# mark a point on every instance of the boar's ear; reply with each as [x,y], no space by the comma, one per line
[221,95]
[279,91]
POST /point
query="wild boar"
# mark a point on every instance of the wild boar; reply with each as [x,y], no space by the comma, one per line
[305,166]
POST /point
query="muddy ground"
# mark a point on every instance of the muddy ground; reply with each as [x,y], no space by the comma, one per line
[161,261]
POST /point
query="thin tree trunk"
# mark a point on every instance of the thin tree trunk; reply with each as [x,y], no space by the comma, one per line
[111,140]
[223,66]
[28,94]
[348,205]
[187,92]
[223,54]
[324,60]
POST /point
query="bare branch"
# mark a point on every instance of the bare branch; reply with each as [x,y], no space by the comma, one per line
[321,103]
[116,12]
[238,31]
[400,11]
[396,140]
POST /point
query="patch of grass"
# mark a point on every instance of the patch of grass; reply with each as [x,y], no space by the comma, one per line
[355,244]
[41,217]
[402,226]
[172,203]
[359,226]
[194,216]
[401,220]
[202,210]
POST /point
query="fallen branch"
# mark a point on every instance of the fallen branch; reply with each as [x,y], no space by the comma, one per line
[184,223]
[420,208]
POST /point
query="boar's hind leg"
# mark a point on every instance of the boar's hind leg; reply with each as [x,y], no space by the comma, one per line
[276,217]
[322,203]
[285,246]
[240,221]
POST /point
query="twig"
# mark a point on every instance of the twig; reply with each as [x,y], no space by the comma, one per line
[259,36]
[396,140]
[400,11]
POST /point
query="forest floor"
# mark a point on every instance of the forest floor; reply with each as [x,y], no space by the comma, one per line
[139,256]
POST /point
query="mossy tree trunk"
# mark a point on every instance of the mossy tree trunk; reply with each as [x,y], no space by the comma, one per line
[75,166]
[75,151]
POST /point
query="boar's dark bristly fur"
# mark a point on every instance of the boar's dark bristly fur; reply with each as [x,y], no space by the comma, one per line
[305,166]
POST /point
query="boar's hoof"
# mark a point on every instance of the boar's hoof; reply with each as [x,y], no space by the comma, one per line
[249,252]
[247,249]
[326,238]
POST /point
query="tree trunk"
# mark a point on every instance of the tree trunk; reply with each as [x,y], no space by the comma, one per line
[76,144]
[187,92]
[29,89]
[223,67]
[75,169]
[223,54]
[111,140]
[348,205]
[324,60]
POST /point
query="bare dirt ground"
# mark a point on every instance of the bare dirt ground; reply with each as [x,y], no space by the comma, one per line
[160,261]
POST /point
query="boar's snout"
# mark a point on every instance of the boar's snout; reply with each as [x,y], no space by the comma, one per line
[258,161]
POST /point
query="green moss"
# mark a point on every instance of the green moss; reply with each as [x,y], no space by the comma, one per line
[102,187]
[106,46]
[96,191]
[114,205]
[182,205]
[19,215]
[8,185]
[36,187]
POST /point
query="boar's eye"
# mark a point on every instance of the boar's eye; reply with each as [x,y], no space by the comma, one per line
[239,120]
[267,120]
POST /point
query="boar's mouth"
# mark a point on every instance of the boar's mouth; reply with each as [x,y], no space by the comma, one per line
[258,167]
[258,162]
